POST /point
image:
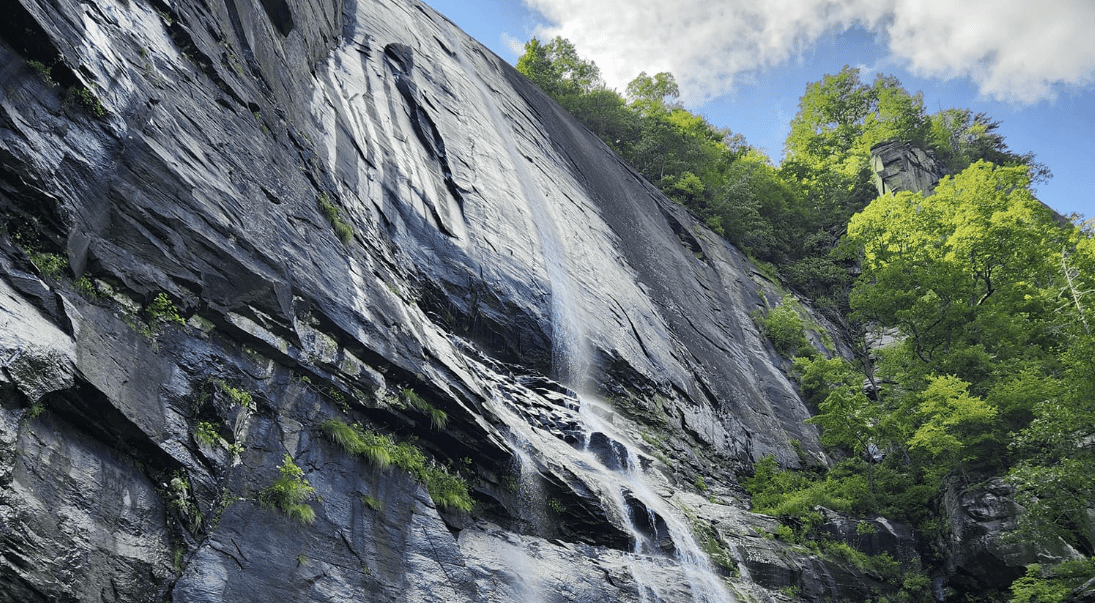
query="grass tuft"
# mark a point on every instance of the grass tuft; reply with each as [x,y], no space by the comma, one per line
[445,488]
[289,492]
[302,513]
[438,417]
[343,231]
[355,440]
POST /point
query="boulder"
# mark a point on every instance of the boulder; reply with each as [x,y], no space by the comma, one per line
[981,550]
[900,166]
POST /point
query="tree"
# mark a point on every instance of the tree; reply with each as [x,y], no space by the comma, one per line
[950,269]
[557,69]
[1057,451]
[896,115]
[830,116]
[1078,268]
[947,417]
[752,206]
[969,282]
[961,138]
[648,94]
[828,147]
[606,113]
[841,116]
[848,419]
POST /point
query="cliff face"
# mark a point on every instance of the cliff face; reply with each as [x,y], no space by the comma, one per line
[350,210]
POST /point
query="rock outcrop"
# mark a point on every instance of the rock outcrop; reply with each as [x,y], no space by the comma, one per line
[227,221]
[981,550]
[899,166]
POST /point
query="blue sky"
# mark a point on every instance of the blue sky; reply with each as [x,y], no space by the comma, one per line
[744,67]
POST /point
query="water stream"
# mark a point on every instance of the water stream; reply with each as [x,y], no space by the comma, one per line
[621,478]
[533,513]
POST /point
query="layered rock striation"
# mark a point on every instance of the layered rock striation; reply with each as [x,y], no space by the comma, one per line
[229,222]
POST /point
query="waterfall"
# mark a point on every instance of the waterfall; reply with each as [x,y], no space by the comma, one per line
[623,475]
[533,513]
[629,478]
[530,487]
[564,334]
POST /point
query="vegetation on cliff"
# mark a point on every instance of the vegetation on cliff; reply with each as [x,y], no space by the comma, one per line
[971,306]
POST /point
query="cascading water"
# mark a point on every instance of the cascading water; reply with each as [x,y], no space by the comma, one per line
[530,487]
[532,495]
[625,477]
[705,584]
[564,335]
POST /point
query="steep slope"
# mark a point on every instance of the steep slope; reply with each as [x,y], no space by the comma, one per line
[351,211]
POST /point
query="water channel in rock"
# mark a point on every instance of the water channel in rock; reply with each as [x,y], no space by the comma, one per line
[604,454]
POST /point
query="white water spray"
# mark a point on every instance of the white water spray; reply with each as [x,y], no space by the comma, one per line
[569,364]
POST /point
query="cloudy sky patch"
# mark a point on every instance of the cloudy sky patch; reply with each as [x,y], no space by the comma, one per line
[1017,51]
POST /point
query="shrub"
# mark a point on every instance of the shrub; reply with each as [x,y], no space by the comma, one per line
[446,489]
[86,288]
[785,533]
[289,493]
[235,394]
[86,99]
[206,433]
[1052,584]
[785,329]
[793,495]
[883,565]
[45,72]
[35,409]
[51,265]
[179,498]
[337,397]
[162,309]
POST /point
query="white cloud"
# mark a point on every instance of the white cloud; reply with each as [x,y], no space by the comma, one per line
[1015,51]
[517,47]
[1018,51]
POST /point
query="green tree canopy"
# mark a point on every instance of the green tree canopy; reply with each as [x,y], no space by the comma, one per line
[557,69]
[652,94]
[948,269]
[961,138]
[828,146]
[946,413]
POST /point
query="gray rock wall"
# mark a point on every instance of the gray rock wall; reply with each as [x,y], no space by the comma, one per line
[220,148]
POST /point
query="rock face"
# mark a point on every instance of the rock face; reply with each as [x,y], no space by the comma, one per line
[228,221]
[979,554]
[899,166]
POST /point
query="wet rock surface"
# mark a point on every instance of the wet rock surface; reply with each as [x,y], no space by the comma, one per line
[324,205]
